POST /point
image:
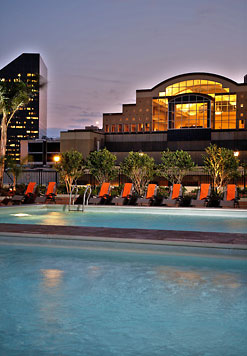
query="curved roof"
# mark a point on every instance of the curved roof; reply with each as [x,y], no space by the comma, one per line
[187,75]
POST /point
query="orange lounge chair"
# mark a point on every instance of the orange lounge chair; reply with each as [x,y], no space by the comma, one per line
[202,195]
[175,195]
[230,198]
[150,196]
[28,197]
[50,194]
[103,196]
[125,195]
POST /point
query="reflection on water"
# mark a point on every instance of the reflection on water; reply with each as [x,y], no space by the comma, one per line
[94,271]
[54,218]
[194,278]
[50,300]
[20,214]
[226,280]
[51,277]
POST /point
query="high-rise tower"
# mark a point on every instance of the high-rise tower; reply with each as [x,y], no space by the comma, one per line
[30,121]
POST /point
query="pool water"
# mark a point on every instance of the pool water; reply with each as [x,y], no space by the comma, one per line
[208,220]
[99,303]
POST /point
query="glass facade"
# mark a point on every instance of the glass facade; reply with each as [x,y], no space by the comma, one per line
[160,114]
[181,106]
[189,113]
[194,86]
[225,112]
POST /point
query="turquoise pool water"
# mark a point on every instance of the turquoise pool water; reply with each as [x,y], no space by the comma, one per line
[78,302]
[214,220]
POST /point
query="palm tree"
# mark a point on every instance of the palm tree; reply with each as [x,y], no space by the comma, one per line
[13,95]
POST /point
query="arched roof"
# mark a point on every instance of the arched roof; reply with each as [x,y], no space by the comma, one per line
[199,75]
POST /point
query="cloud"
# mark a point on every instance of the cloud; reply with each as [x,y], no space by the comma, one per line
[91,114]
[102,80]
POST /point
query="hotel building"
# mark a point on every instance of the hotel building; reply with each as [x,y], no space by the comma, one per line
[187,112]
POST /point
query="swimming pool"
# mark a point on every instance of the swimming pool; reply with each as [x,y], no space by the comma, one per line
[183,219]
[78,302]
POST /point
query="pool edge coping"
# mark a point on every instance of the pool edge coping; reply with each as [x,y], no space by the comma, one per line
[57,237]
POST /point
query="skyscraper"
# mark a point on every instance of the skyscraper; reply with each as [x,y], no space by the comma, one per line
[29,122]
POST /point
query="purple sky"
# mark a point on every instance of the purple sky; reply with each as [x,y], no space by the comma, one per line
[99,52]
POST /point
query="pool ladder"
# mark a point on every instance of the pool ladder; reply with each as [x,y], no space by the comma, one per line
[74,195]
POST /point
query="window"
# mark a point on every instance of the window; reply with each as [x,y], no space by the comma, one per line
[120,127]
[225,112]
[106,128]
[241,124]
[133,128]
[140,127]
[194,86]
[189,111]
[113,128]
[160,114]
[126,128]
[147,126]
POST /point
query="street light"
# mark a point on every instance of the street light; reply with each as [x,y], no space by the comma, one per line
[56,158]
[236,153]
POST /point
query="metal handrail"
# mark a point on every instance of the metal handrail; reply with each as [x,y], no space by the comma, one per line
[86,199]
[72,196]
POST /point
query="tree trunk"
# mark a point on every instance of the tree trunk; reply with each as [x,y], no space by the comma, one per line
[14,182]
[3,146]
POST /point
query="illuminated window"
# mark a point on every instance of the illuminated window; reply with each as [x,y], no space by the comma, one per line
[160,114]
[242,105]
[225,112]
[126,128]
[140,127]
[133,128]
[189,111]
[241,124]
[120,127]
[106,128]
[113,129]
[241,114]
[147,126]
[194,86]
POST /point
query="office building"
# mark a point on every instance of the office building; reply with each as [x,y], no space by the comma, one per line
[29,122]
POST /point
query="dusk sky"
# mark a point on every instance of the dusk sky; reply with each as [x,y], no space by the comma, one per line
[99,52]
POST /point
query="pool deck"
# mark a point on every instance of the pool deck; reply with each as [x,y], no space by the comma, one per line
[135,235]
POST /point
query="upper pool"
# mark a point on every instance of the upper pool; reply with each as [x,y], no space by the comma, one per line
[182,219]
